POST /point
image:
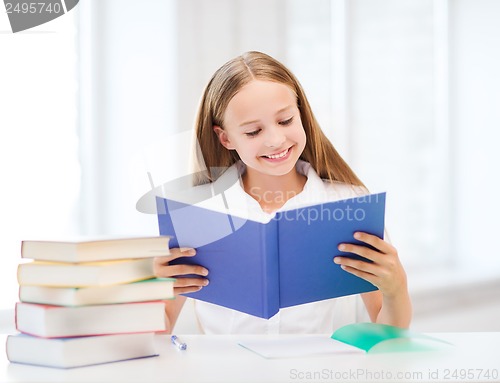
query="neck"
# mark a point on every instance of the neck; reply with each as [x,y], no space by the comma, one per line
[272,192]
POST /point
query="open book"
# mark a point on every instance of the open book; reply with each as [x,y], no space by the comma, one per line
[259,267]
[354,338]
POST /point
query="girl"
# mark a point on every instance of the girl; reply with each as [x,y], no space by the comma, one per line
[254,116]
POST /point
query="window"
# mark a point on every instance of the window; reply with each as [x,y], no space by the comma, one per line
[371,78]
[394,134]
[406,90]
[39,146]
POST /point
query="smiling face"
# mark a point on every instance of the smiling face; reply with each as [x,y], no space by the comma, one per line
[262,124]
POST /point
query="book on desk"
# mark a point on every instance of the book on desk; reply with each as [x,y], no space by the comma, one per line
[259,267]
[79,351]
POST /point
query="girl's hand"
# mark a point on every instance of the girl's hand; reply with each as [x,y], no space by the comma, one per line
[386,271]
[162,269]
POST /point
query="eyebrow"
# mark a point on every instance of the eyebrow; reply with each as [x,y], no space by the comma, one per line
[278,112]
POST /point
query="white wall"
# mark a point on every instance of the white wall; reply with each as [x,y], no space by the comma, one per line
[475,118]
[38,140]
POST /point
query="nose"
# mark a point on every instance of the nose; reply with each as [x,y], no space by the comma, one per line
[274,137]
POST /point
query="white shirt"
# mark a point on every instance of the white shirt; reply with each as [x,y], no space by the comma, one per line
[317,317]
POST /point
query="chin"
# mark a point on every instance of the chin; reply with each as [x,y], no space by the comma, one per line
[277,171]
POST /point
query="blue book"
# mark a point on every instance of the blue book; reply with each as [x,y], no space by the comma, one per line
[258,268]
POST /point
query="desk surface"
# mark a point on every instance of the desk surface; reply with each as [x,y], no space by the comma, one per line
[221,359]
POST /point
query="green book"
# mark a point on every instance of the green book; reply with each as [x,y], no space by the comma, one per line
[377,338]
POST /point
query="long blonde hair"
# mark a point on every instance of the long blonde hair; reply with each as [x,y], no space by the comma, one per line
[223,86]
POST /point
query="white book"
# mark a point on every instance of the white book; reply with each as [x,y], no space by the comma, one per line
[95,249]
[84,274]
[80,351]
[58,321]
[149,290]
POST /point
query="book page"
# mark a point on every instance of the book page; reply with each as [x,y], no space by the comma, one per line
[298,347]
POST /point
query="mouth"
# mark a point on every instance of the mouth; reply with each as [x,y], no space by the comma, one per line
[279,155]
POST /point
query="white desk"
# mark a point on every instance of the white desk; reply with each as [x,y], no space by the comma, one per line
[221,359]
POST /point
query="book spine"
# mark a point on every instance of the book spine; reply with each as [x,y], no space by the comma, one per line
[270,266]
[15,314]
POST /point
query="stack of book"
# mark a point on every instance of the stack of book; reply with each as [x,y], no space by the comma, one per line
[89,302]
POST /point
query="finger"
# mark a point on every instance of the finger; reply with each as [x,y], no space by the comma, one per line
[167,271]
[190,282]
[373,240]
[189,285]
[177,270]
[185,290]
[182,252]
[174,254]
[366,267]
[363,251]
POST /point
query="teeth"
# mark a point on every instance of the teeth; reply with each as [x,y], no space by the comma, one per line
[279,155]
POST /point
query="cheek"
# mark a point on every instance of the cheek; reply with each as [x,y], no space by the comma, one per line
[246,148]
[251,147]
[299,135]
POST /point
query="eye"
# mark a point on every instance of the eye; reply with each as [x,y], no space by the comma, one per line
[253,133]
[286,122]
